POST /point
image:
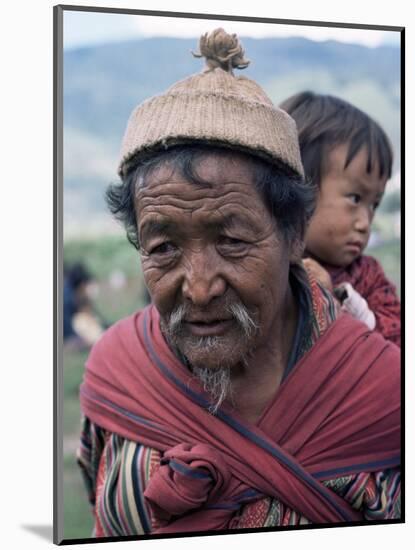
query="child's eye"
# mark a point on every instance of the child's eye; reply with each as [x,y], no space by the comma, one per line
[354,197]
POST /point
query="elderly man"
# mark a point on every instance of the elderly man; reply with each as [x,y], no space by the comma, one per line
[240,397]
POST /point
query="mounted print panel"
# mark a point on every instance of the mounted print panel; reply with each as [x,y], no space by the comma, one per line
[228,242]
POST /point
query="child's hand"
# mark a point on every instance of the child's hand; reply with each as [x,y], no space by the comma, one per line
[318,272]
[356,305]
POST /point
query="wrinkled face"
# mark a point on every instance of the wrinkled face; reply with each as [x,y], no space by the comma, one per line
[340,227]
[213,260]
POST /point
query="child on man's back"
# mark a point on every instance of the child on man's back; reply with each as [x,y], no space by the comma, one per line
[349,157]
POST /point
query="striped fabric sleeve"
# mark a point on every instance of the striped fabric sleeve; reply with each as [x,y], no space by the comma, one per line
[122,478]
[376,495]
[116,472]
[88,455]
[382,499]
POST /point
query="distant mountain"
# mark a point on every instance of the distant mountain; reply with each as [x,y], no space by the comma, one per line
[102,84]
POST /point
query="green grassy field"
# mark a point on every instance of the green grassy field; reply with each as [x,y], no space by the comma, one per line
[389,255]
[102,257]
[77,513]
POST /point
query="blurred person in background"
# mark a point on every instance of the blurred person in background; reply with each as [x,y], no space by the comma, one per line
[81,325]
[240,397]
[348,156]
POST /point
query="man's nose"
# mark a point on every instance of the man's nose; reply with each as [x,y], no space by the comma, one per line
[202,278]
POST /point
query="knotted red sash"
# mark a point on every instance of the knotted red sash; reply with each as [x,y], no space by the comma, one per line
[338,412]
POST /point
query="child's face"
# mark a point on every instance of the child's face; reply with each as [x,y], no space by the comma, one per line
[340,227]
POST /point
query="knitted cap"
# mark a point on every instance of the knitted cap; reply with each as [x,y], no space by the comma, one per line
[216,107]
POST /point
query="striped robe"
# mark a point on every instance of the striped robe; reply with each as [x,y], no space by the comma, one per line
[117,471]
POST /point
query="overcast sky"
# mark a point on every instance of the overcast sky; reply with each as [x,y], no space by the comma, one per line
[87,28]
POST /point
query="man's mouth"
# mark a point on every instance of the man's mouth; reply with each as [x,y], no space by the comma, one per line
[213,327]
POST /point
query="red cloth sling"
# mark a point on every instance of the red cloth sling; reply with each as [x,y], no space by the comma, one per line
[336,413]
[367,277]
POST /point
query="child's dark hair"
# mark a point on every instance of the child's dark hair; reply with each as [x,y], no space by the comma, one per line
[324,121]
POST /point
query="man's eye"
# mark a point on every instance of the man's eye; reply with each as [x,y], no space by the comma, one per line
[229,246]
[230,241]
[163,248]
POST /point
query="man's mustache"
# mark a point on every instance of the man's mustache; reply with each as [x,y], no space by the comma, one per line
[234,310]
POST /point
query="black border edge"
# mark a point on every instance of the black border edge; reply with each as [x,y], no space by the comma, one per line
[57,269]
[249,19]
[403,252]
[245,532]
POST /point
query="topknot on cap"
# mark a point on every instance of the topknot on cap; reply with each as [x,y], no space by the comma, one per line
[222,50]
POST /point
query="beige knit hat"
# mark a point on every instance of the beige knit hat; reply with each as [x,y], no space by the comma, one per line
[216,107]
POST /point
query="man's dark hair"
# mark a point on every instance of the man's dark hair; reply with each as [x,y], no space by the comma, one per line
[288,198]
[324,121]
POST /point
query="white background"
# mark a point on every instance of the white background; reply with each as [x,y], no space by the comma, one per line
[26,122]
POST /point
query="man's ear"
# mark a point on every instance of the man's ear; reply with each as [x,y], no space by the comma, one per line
[297,250]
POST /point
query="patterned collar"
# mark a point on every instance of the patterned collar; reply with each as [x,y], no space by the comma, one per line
[317,310]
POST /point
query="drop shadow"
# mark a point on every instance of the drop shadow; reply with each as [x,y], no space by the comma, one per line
[43,531]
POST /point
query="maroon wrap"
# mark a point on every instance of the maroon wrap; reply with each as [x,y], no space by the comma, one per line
[367,277]
[337,413]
